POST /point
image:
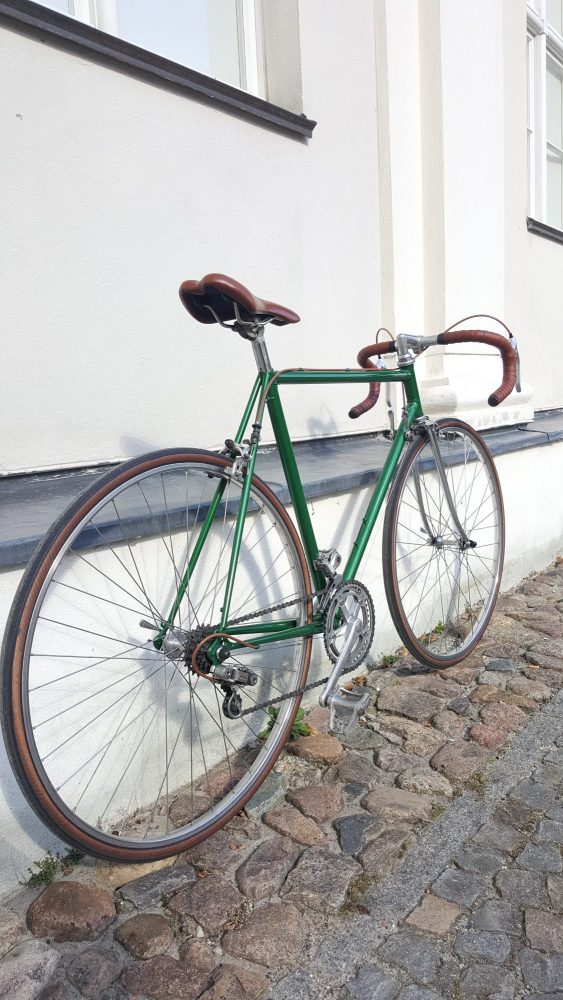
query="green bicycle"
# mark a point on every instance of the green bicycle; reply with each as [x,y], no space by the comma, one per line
[176,601]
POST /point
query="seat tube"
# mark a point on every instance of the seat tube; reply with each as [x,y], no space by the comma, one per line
[239,526]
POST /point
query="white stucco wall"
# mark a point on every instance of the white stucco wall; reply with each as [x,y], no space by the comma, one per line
[115,189]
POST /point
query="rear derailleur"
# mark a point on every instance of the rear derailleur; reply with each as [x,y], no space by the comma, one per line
[232,677]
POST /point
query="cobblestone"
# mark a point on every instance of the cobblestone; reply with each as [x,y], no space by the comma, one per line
[12,931]
[459,762]
[371,983]
[354,831]
[414,704]
[273,935]
[145,935]
[544,930]
[434,915]
[393,759]
[458,887]
[318,802]
[69,911]
[413,953]
[321,748]
[498,836]
[26,970]
[93,970]
[480,861]
[483,980]
[541,972]
[152,889]
[550,830]
[385,848]
[497,915]
[382,896]
[525,888]
[534,794]
[212,901]
[359,770]
[417,739]
[320,880]
[540,858]
[397,804]
[164,978]
[265,871]
[424,780]
[487,945]
[288,821]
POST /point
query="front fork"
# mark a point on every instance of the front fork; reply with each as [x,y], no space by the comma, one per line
[464,542]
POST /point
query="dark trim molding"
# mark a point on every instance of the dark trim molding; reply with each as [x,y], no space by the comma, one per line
[60,29]
[542,229]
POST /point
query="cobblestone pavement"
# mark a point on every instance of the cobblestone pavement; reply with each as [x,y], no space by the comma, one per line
[417,859]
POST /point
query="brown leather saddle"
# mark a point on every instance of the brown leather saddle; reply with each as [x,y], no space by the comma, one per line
[213,299]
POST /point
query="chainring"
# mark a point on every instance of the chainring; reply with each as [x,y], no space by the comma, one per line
[349,597]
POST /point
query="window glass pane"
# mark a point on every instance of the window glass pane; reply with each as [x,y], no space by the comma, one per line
[530,81]
[554,108]
[202,34]
[554,187]
[64,6]
[555,14]
[530,128]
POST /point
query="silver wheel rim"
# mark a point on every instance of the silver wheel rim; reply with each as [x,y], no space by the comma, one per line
[446,591]
[53,680]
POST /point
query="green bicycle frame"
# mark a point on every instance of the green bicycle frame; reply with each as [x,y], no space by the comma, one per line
[261,633]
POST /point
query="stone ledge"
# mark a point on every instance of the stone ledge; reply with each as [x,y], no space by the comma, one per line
[30,504]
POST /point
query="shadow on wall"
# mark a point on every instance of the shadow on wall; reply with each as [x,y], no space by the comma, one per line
[323,425]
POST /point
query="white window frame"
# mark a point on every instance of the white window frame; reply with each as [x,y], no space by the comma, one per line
[102,14]
[545,42]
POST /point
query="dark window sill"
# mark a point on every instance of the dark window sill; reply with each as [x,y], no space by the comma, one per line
[66,31]
[542,229]
[30,504]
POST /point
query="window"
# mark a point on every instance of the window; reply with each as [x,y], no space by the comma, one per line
[217,37]
[545,112]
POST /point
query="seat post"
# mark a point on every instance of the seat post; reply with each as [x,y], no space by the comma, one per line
[261,351]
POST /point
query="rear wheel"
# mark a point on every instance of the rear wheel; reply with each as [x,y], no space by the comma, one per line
[442,583]
[119,745]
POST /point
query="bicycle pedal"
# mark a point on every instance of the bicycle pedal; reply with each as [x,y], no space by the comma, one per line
[346,707]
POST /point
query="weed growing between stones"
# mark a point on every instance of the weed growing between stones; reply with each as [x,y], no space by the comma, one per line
[50,866]
[358,887]
[477,783]
[299,728]
[388,660]
[437,809]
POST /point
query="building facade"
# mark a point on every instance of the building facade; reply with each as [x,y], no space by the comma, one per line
[394,163]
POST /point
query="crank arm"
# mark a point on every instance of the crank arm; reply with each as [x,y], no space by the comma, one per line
[354,625]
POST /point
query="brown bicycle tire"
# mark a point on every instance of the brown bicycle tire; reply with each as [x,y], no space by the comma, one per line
[12,716]
[394,601]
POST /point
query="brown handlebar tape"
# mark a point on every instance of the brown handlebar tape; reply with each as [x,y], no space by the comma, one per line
[509,356]
[386,347]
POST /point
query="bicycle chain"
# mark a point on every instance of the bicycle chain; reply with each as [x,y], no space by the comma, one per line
[296,691]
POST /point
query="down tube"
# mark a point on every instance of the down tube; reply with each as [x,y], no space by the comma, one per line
[376,502]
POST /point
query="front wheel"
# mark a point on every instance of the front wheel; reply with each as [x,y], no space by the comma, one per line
[442,582]
[120,746]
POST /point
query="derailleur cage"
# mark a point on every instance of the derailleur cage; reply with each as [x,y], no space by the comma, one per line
[231,677]
[232,702]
